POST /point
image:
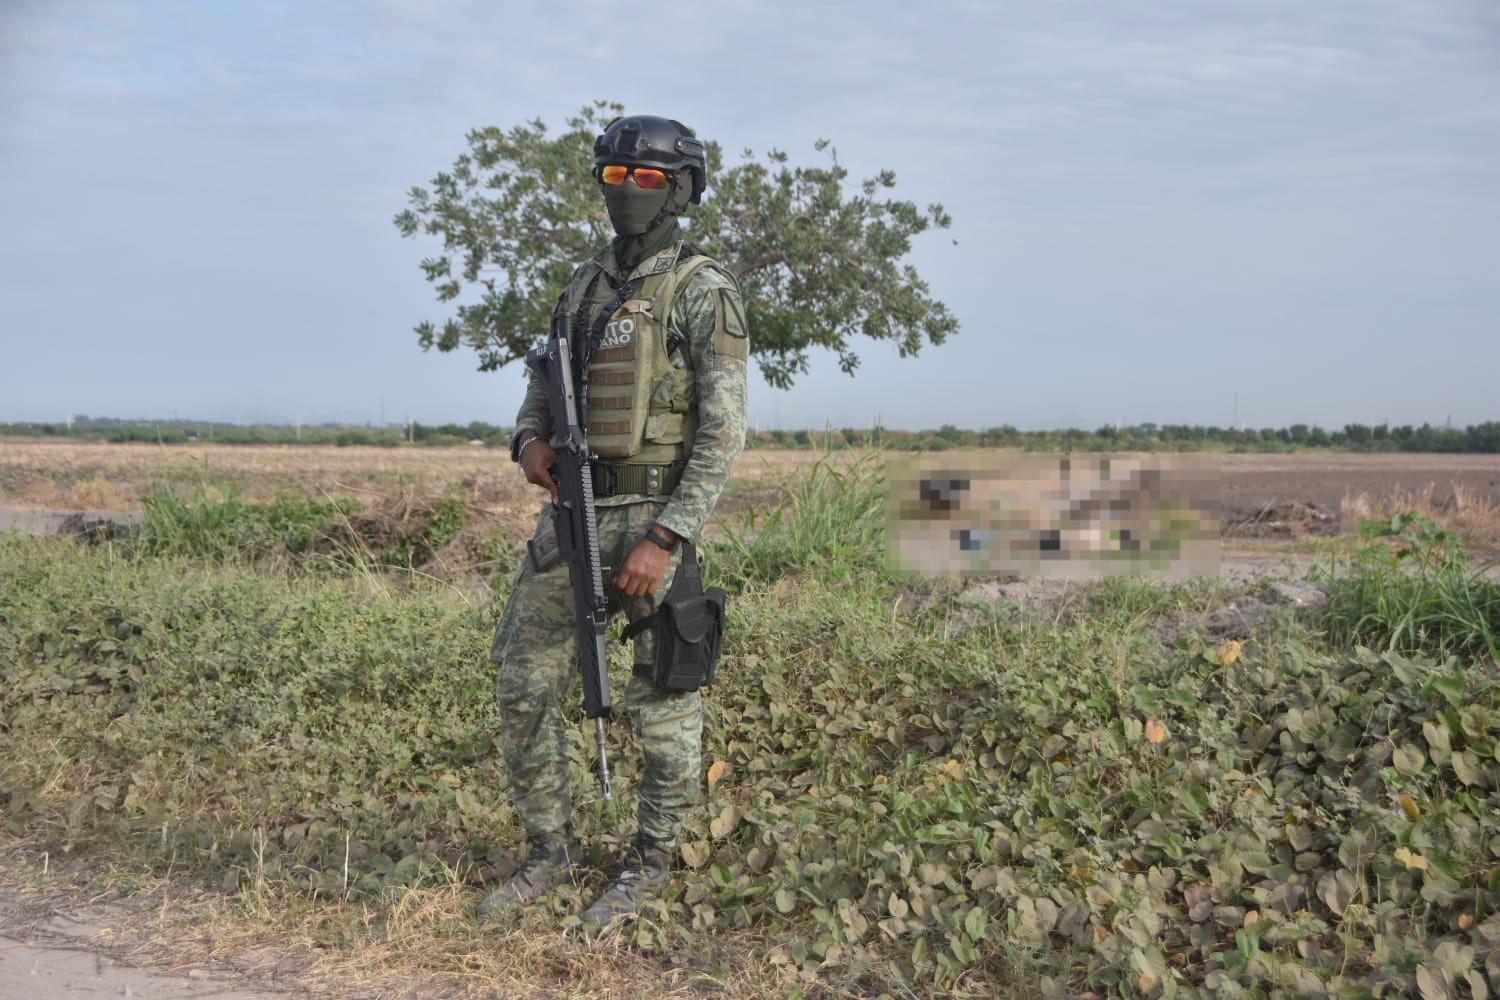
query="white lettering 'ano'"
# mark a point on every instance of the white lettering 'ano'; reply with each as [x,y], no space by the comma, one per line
[618,333]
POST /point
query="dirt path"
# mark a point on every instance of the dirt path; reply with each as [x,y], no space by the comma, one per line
[49,522]
[51,949]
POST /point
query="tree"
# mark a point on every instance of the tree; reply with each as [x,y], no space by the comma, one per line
[818,263]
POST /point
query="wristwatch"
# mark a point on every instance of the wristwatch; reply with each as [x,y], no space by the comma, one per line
[660,540]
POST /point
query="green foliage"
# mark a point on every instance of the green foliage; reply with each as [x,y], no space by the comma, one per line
[818,263]
[423,536]
[176,431]
[229,527]
[1412,588]
[830,521]
[909,794]
[311,533]
[1478,438]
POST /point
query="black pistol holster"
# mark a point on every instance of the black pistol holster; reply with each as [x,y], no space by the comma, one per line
[688,625]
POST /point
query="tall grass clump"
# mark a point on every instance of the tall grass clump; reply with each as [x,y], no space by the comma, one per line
[218,528]
[831,517]
[1412,588]
[401,533]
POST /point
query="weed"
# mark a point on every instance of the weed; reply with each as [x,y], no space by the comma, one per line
[829,520]
[220,528]
[1412,588]
[399,532]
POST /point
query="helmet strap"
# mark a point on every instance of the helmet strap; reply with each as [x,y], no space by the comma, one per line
[666,207]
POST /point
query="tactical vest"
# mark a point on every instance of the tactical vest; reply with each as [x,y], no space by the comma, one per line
[641,407]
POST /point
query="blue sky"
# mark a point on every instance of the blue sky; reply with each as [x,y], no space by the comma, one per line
[1157,205]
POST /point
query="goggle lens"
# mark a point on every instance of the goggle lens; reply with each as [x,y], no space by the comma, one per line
[649,178]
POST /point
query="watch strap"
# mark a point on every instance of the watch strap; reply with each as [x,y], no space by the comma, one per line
[659,540]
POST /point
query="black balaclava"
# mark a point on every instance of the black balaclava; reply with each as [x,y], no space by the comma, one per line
[645,221]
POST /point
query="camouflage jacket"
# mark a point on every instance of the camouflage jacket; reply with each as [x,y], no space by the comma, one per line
[710,318]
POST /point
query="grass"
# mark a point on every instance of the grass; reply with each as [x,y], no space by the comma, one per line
[912,796]
[1412,588]
[828,518]
[400,532]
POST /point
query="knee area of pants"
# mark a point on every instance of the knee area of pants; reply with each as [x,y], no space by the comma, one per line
[659,720]
[516,686]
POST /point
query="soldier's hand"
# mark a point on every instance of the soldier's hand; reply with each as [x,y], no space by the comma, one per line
[537,460]
[643,569]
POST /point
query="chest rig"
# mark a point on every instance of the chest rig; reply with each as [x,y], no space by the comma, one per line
[639,402]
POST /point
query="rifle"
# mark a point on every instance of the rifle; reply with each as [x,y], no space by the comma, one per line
[578,533]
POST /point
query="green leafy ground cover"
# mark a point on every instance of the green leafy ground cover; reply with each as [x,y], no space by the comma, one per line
[908,795]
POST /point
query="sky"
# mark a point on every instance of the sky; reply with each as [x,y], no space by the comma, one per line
[1183,211]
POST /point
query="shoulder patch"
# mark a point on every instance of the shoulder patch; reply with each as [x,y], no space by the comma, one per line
[731,331]
[735,324]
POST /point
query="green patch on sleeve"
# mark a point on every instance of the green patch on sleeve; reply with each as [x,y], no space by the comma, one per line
[731,331]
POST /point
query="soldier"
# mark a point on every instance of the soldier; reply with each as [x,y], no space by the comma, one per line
[666,414]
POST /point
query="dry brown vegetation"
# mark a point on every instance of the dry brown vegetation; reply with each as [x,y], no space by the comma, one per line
[1469,511]
[64,475]
[77,476]
[421,945]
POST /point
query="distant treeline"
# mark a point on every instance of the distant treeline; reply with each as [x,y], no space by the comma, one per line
[1483,437]
[188,431]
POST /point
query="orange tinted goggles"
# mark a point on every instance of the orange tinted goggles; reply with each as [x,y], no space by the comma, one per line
[646,177]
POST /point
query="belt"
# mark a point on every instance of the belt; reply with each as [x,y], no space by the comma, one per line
[648,480]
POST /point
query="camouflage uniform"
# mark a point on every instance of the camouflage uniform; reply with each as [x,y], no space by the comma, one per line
[535,645]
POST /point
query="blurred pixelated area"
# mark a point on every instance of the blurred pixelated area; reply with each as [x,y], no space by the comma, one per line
[1075,516]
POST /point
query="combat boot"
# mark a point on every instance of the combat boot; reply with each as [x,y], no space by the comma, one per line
[647,868]
[549,861]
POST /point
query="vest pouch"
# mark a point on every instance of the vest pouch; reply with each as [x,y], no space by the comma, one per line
[688,626]
[664,428]
[619,381]
[668,395]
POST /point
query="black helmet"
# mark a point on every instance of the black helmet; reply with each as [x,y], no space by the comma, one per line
[649,141]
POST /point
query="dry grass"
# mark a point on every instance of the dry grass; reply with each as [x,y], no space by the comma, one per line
[47,473]
[66,475]
[71,475]
[425,945]
[1466,510]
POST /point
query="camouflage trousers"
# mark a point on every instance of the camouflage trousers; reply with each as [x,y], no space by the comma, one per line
[535,648]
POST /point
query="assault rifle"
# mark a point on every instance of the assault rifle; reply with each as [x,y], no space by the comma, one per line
[578,533]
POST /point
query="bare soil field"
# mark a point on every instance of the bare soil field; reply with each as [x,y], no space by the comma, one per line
[1262,496]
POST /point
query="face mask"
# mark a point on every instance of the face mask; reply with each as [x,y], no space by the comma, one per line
[632,209]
